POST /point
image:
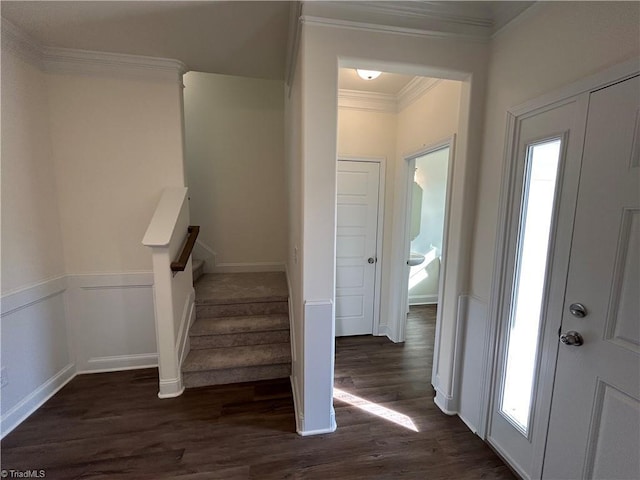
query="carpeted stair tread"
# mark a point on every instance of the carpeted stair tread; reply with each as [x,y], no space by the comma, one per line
[238,339]
[237,288]
[243,324]
[236,375]
[234,357]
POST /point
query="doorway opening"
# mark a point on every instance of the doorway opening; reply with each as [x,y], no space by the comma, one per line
[385,131]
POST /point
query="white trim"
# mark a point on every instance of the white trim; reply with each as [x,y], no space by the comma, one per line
[367,101]
[29,404]
[293,43]
[423,299]
[183,345]
[28,296]
[387,102]
[94,281]
[87,62]
[74,61]
[296,400]
[415,89]
[388,29]
[116,363]
[292,331]
[331,429]
[170,388]
[249,267]
[445,403]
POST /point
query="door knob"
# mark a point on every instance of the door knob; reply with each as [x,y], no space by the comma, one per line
[578,310]
[371,260]
[572,338]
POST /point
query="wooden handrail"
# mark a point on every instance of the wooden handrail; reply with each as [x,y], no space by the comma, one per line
[181,263]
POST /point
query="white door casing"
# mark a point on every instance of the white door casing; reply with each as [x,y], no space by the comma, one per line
[358,190]
[594,428]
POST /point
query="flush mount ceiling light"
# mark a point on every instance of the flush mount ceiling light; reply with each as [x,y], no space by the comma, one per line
[368,74]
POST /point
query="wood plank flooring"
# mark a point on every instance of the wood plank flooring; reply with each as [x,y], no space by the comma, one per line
[113,426]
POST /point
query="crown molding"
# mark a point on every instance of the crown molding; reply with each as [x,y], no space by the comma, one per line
[21,44]
[422,10]
[413,90]
[85,62]
[386,102]
[367,101]
[378,28]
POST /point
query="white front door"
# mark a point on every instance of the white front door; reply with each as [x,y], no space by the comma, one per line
[546,161]
[594,429]
[356,246]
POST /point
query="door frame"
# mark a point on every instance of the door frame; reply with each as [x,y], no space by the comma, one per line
[501,274]
[382,165]
[408,160]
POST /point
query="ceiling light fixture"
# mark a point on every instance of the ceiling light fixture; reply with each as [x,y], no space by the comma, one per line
[368,74]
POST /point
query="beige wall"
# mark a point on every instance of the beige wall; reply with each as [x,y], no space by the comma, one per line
[550,46]
[430,119]
[31,236]
[236,166]
[117,143]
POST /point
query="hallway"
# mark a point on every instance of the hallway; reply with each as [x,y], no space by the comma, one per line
[113,425]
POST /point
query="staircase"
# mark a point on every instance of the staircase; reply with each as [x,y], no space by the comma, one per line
[241,332]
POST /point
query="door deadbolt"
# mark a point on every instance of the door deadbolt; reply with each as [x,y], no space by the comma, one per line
[578,310]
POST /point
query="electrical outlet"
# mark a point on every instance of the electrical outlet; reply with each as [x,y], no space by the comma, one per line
[3,377]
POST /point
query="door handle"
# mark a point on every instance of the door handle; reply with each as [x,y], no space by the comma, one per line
[372,260]
[572,338]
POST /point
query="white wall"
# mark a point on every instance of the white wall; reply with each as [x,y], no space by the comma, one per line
[35,355]
[323,48]
[554,44]
[87,147]
[551,45]
[236,167]
[31,235]
[117,142]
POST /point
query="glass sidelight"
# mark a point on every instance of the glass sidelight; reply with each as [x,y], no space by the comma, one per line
[530,280]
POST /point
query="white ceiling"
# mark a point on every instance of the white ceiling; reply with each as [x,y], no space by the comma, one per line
[389,83]
[247,38]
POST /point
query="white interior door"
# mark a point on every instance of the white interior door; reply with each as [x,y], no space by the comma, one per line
[356,246]
[594,429]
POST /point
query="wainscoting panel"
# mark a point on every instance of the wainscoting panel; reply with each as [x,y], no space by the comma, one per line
[319,353]
[473,361]
[113,325]
[36,361]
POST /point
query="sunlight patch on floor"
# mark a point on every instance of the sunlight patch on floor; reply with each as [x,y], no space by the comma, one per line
[375,409]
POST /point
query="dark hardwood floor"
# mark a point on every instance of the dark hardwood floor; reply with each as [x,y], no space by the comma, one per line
[113,426]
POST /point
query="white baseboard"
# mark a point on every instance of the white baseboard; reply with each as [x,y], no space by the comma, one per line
[249,267]
[171,388]
[115,363]
[36,399]
[296,400]
[309,433]
[445,403]
[423,299]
